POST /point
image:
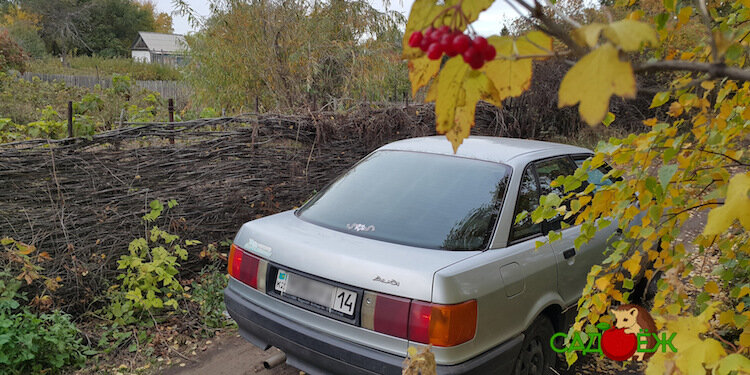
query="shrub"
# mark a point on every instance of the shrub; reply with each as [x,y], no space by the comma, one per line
[34,343]
[12,56]
[207,292]
[149,282]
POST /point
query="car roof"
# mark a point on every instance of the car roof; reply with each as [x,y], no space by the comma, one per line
[495,149]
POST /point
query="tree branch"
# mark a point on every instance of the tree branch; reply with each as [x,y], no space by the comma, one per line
[714,70]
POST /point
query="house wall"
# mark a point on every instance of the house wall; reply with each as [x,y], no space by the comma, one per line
[141,56]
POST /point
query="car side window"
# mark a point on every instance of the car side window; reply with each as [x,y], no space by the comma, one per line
[595,176]
[528,200]
[548,170]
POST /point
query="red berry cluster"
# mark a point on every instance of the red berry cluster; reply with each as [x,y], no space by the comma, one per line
[435,42]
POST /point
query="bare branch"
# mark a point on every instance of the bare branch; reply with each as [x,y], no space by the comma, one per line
[562,15]
[716,70]
[707,21]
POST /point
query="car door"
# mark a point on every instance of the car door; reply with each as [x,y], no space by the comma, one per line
[573,264]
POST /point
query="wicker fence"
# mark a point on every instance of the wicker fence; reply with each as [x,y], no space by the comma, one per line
[81,200]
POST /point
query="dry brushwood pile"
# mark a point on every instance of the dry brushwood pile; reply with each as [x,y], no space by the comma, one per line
[81,200]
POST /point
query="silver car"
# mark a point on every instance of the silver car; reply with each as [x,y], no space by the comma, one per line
[416,246]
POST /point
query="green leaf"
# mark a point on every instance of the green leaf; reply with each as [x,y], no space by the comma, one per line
[608,119]
[659,99]
[665,174]
[669,5]
[661,20]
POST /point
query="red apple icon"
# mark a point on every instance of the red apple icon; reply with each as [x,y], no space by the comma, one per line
[618,345]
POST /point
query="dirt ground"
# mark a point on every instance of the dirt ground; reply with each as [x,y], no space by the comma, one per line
[230,354]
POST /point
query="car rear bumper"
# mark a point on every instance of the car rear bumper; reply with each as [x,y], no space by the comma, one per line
[318,353]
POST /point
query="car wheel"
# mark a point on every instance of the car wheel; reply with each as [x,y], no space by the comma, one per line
[536,356]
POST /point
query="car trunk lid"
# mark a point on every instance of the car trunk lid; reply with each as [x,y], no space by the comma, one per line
[374,265]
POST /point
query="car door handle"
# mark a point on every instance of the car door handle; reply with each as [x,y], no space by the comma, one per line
[567,254]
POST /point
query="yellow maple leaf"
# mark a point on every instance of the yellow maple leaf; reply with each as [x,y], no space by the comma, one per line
[733,362]
[475,86]
[736,206]
[597,76]
[694,354]
[588,35]
[630,34]
[534,43]
[421,71]
[471,9]
[510,77]
[449,88]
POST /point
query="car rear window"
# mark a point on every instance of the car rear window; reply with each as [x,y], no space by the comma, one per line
[417,199]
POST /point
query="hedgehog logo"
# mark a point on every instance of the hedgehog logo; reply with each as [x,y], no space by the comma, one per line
[621,342]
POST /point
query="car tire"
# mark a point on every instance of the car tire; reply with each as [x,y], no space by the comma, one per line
[536,356]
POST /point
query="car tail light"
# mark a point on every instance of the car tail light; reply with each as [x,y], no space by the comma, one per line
[423,322]
[247,268]
[442,325]
[386,314]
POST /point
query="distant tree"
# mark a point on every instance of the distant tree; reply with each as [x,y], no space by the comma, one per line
[12,56]
[23,27]
[162,21]
[113,25]
[60,23]
[103,27]
[295,53]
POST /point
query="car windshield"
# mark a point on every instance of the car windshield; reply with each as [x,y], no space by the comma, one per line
[417,199]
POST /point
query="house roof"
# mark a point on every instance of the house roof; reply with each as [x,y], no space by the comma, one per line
[160,43]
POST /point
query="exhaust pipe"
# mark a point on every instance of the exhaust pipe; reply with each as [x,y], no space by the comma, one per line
[274,360]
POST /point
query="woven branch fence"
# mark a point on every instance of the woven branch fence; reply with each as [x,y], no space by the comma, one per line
[81,200]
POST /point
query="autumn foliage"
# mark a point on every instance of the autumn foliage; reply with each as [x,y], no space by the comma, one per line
[692,158]
[12,56]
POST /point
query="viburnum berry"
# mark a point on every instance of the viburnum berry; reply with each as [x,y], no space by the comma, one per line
[444,40]
[425,44]
[446,45]
[428,34]
[489,52]
[470,54]
[480,43]
[415,39]
[435,51]
[461,43]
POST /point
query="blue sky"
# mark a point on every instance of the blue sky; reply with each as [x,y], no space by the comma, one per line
[490,21]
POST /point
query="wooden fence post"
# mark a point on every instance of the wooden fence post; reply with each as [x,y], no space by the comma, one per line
[70,119]
[170,107]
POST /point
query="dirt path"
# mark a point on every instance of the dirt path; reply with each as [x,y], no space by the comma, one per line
[231,355]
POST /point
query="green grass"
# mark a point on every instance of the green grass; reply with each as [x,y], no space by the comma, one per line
[104,67]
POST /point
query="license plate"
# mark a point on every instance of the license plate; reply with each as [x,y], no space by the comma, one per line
[317,294]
